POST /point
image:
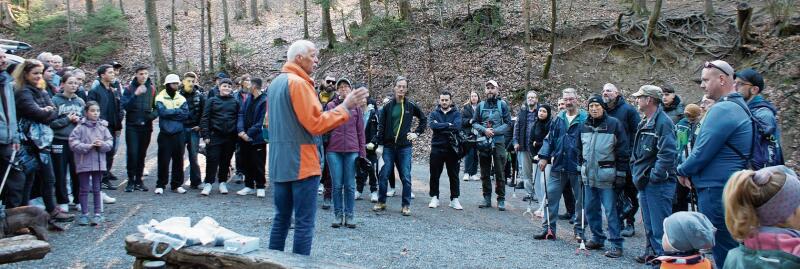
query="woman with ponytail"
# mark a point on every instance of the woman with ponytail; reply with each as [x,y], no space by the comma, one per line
[762,209]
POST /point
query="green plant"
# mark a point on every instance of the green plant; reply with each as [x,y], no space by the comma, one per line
[482,23]
[380,32]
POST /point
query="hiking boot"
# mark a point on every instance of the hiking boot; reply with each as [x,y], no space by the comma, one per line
[501,205]
[434,202]
[140,187]
[614,252]
[326,204]
[454,204]
[129,187]
[628,231]
[644,258]
[83,220]
[487,202]
[406,211]
[206,189]
[543,235]
[565,216]
[349,222]
[379,207]
[337,222]
[105,184]
[59,216]
[591,244]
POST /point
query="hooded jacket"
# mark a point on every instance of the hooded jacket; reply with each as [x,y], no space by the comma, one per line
[675,110]
[387,135]
[8,111]
[172,111]
[766,115]
[62,126]
[627,115]
[110,106]
[444,125]
[604,151]
[196,101]
[348,137]
[87,157]
[561,143]
[251,118]
[654,150]
[769,247]
[140,109]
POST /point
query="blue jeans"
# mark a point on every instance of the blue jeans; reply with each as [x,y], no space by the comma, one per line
[555,189]
[656,203]
[192,141]
[595,197]
[471,161]
[342,166]
[298,197]
[709,202]
[400,158]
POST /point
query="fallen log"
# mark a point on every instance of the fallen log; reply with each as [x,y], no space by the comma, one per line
[217,257]
[22,248]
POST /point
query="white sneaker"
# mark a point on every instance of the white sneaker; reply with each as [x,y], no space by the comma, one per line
[245,191]
[107,199]
[466,177]
[261,193]
[434,202]
[78,207]
[413,196]
[159,190]
[64,208]
[358,195]
[179,190]
[373,197]
[390,193]
[145,172]
[223,188]
[206,189]
[475,177]
[455,204]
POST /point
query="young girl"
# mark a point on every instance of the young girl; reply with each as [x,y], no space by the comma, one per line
[69,107]
[90,141]
[762,208]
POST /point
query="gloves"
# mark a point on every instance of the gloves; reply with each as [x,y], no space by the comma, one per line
[370,146]
[411,136]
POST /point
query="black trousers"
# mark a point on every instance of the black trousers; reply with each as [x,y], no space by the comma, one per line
[494,162]
[681,202]
[42,178]
[569,198]
[254,159]
[362,175]
[218,158]
[441,157]
[170,150]
[137,139]
[14,192]
[63,163]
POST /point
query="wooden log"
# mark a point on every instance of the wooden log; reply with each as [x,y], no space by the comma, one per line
[22,248]
[217,257]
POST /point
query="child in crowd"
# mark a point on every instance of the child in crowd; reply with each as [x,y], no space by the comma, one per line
[90,140]
[218,129]
[685,234]
[762,209]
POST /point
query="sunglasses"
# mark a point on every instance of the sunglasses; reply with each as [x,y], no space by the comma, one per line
[711,65]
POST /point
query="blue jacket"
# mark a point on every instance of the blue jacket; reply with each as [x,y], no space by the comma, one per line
[562,142]
[711,162]
[251,118]
[654,150]
[172,111]
[8,111]
[628,116]
[140,110]
[443,124]
[499,116]
[765,113]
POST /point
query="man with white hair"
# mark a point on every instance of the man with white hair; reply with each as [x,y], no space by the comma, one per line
[295,118]
[723,146]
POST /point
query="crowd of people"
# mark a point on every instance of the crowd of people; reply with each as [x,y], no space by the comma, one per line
[706,175]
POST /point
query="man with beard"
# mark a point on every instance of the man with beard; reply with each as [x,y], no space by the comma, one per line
[492,120]
[526,118]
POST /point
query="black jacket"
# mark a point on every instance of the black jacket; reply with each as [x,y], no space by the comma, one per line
[444,125]
[219,117]
[371,128]
[140,110]
[251,118]
[467,112]
[110,105]
[197,101]
[386,136]
[30,103]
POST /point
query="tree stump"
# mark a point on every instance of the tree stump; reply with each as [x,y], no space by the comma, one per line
[22,248]
[217,257]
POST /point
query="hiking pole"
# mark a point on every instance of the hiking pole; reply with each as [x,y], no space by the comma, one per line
[8,170]
[530,201]
[582,246]
[692,200]
[547,208]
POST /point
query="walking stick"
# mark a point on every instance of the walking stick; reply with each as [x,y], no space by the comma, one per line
[530,201]
[8,169]
[582,246]
[547,208]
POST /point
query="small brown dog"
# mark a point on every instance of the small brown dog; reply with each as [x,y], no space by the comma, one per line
[33,218]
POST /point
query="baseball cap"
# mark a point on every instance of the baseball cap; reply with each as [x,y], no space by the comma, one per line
[649,91]
[752,76]
[493,83]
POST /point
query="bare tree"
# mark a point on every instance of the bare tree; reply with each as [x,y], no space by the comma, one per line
[155,39]
[405,9]
[69,26]
[203,36]
[549,62]
[172,35]
[254,12]
[366,11]
[327,24]
[305,19]
[744,13]
[651,25]
[7,18]
[640,7]
[225,19]
[709,9]
[210,36]
[240,10]
[528,55]
[265,5]
[89,6]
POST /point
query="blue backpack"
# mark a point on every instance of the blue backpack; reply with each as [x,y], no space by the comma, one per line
[765,149]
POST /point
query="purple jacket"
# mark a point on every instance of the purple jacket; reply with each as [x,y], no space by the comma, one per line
[348,137]
[87,157]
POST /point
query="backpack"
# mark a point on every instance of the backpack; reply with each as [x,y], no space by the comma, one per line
[763,150]
[484,143]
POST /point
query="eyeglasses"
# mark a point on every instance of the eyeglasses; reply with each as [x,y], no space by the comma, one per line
[740,83]
[711,65]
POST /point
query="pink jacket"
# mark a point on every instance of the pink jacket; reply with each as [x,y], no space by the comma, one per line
[348,137]
[769,238]
[87,157]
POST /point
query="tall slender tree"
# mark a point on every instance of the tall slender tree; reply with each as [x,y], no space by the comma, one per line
[156,51]
[549,62]
[121,8]
[305,19]
[327,24]
[709,9]
[651,25]
[405,9]
[254,12]
[203,36]
[89,6]
[366,11]
[172,36]
[225,19]
[210,36]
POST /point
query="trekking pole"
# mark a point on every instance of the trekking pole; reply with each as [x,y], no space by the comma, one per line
[8,170]
[547,209]
[530,201]
[692,200]
[582,246]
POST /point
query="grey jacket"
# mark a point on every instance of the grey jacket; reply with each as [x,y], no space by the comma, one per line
[8,111]
[497,113]
[604,152]
[61,126]
[654,151]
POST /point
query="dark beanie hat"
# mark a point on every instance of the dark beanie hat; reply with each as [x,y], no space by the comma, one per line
[597,99]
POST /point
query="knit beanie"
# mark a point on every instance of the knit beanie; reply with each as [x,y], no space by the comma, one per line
[687,231]
[597,99]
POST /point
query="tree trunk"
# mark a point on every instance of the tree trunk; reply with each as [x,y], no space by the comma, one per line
[549,62]
[651,25]
[528,55]
[709,9]
[440,10]
[405,10]
[121,8]
[265,5]
[254,12]
[210,37]
[305,19]
[172,35]
[328,26]
[69,27]
[7,19]
[240,10]
[344,26]
[744,13]
[366,11]
[155,39]
[89,6]
[225,19]
[203,36]
[640,7]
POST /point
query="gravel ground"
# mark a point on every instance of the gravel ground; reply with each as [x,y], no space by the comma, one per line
[430,238]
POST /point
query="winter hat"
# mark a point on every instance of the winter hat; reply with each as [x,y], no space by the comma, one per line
[343,80]
[687,231]
[597,99]
[692,112]
[781,206]
[222,75]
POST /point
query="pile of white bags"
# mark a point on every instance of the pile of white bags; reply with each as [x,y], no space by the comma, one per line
[177,232]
